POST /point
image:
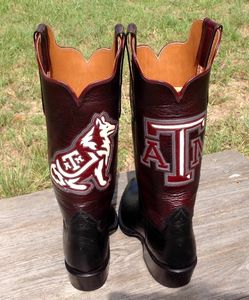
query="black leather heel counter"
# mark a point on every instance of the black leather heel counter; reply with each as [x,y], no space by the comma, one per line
[175,246]
[181,250]
[86,245]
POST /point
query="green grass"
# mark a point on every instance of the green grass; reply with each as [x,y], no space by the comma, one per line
[88,25]
[229,133]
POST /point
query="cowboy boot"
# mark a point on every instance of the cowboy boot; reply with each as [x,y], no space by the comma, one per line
[81,103]
[169,97]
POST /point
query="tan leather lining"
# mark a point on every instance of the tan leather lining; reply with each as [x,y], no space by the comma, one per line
[176,63]
[70,67]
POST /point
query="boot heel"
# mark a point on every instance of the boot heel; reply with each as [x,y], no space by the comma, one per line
[87,281]
[165,275]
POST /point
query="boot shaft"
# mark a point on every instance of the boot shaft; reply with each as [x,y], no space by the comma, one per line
[169,97]
[81,102]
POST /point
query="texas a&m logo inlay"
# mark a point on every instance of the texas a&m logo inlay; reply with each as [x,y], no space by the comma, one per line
[174,147]
[86,163]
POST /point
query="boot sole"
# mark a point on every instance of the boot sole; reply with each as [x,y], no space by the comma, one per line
[162,273]
[91,281]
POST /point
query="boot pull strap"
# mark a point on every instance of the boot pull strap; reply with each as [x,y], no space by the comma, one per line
[209,44]
[119,36]
[41,34]
[119,40]
[131,45]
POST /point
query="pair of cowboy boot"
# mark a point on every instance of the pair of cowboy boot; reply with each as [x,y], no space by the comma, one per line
[81,102]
